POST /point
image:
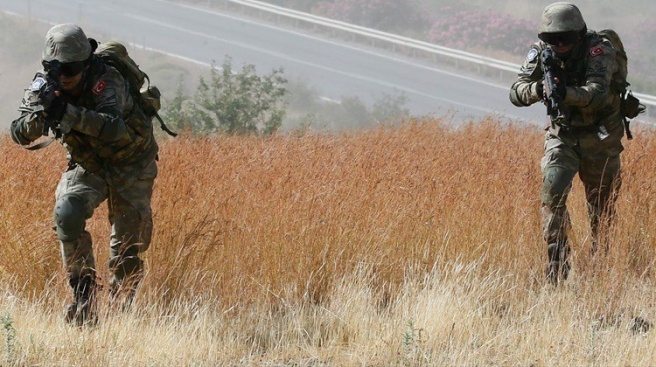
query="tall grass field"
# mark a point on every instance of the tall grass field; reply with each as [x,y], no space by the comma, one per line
[418,245]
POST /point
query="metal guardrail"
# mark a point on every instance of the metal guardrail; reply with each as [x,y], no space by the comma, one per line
[379,35]
[397,39]
[646,98]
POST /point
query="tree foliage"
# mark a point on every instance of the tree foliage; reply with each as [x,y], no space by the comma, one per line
[232,102]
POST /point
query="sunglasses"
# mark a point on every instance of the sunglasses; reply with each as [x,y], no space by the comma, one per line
[67,69]
[562,38]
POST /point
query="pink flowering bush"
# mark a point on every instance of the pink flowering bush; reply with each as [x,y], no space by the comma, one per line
[463,27]
[387,15]
[456,27]
[466,29]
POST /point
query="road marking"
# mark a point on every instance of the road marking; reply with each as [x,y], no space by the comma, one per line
[343,45]
[307,63]
[11,13]
[329,100]
[166,53]
[194,61]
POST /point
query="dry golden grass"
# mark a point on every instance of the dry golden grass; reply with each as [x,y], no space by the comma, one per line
[411,246]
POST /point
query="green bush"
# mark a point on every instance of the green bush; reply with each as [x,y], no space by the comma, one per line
[231,102]
[350,112]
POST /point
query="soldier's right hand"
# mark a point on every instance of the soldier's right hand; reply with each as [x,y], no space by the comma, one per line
[48,96]
[56,110]
[45,90]
[561,90]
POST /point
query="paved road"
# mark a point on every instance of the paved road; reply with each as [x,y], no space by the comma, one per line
[335,69]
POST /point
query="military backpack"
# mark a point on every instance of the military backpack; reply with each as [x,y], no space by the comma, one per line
[146,96]
[630,106]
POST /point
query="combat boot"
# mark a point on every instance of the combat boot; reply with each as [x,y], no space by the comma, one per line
[126,277]
[122,296]
[83,309]
[558,267]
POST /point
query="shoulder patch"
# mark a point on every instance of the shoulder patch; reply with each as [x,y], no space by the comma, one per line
[37,84]
[99,87]
[532,55]
[596,51]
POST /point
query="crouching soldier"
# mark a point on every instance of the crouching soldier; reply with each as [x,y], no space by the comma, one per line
[88,106]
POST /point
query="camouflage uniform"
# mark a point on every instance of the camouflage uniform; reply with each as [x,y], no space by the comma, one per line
[588,143]
[112,155]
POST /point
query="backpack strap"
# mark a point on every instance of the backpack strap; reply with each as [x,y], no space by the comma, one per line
[627,129]
[41,145]
[164,127]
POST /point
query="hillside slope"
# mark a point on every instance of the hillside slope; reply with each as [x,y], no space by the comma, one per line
[411,246]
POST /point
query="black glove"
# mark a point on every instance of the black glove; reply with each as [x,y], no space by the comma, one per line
[45,90]
[561,89]
[539,89]
[55,111]
[16,135]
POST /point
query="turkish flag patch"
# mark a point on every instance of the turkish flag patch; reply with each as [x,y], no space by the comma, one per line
[596,51]
[99,87]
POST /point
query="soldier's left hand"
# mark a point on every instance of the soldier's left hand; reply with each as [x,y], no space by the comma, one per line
[539,90]
[56,110]
[561,90]
[65,126]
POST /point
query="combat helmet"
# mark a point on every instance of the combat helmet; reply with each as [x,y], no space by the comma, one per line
[561,18]
[66,43]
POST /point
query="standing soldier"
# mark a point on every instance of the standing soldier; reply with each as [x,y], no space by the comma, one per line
[582,92]
[111,153]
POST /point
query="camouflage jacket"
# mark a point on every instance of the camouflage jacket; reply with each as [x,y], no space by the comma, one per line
[109,133]
[589,73]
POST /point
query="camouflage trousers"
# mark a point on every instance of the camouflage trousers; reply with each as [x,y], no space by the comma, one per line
[130,217]
[598,166]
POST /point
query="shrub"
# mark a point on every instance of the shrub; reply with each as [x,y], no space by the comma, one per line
[232,102]
[352,113]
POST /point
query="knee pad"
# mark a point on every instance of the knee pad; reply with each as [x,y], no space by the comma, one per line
[555,188]
[69,215]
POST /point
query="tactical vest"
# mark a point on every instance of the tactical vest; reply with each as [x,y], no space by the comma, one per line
[576,67]
[138,145]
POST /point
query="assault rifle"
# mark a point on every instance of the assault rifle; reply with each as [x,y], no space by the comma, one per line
[553,77]
[48,85]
